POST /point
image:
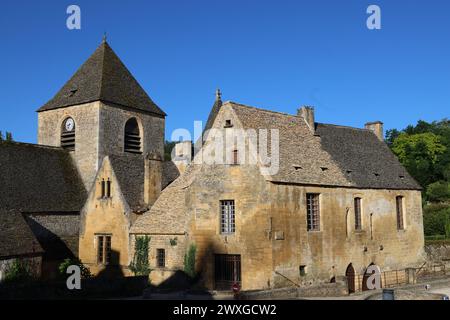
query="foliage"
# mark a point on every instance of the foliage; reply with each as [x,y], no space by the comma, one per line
[424,150]
[140,265]
[168,146]
[19,271]
[7,138]
[438,191]
[436,220]
[174,241]
[85,272]
[189,261]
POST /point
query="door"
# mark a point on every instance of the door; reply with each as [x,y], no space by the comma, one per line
[227,271]
[350,274]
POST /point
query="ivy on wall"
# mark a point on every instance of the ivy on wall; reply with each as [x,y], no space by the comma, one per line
[140,265]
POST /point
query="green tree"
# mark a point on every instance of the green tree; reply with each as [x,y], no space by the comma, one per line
[438,191]
[168,146]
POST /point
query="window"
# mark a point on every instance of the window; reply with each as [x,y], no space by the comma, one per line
[68,134]
[227,217]
[103,249]
[105,188]
[399,206]
[235,157]
[108,188]
[357,205]
[302,271]
[228,124]
[313,211]
[132,137]
[160,258]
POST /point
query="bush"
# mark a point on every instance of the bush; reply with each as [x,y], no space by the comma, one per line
[85,272]
[189,261]
[436,220]
[438,191]
[19,271]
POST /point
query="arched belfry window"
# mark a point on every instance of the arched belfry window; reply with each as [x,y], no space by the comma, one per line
[68,134]
[132,136]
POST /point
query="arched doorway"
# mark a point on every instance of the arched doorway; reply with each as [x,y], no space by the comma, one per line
[350,275]
[365,278]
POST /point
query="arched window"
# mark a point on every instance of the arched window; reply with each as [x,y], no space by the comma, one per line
[132,137]
[68,134]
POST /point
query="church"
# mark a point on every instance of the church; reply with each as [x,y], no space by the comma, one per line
[97,180]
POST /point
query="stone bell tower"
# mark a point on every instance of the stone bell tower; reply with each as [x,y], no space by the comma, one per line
[102,111]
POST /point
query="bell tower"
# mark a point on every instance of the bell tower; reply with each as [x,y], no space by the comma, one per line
[102,111]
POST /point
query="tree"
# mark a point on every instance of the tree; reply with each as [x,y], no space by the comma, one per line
[7,138]
[168,146]
[438,191]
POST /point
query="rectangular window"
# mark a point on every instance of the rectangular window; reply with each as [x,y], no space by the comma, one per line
[227,217]
[400,223]
[160,258]
[108,188]
[358,224]
[313,211]
[235,157]
[104,249]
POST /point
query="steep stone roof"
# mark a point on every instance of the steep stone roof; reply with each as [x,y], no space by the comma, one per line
[103,77]
[37,178]
[168,213]
[129,170]
[333,156]
[16,237]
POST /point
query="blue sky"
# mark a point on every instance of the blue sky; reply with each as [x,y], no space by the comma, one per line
[277,55]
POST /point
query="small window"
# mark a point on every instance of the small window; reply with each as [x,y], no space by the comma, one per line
[161,258]
[302,271]
[399,209]
[68,134]
[313,211]
[228,124]
[108,188]
[103,249]
[102,183]
[227,217]
[235,159]
[132,137]
[357,206]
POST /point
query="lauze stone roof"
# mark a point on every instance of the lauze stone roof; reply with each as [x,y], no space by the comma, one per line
[103,77]
[16,237]
[37,178]
[331,156]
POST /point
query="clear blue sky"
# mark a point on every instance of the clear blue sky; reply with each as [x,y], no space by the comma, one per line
[270,54]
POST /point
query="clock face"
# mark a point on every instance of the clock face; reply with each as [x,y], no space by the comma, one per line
[70,124]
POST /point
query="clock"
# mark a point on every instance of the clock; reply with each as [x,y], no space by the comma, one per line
[69,124]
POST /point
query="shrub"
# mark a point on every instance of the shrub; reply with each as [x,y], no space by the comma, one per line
[19,271]
[438,191]
[436,220]
[189,261]
[85,272]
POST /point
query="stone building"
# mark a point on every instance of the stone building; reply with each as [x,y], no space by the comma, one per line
[324,202]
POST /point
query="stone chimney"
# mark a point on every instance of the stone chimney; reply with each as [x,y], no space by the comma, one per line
[152,177]
[307,113]
[182,155]
[377,128]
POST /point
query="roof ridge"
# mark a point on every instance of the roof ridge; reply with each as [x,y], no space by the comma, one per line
[259,109]
[102,72]
[341,126]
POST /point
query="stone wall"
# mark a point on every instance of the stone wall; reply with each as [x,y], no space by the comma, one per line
[34,262]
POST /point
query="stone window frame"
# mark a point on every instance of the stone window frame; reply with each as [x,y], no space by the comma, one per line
[227,217]
[105,188]
[358,214]
[400,212]
[141,134]
[103,248]
[161,258]
[313,219]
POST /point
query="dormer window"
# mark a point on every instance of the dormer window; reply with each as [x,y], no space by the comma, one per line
[132,137]
[68,134]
